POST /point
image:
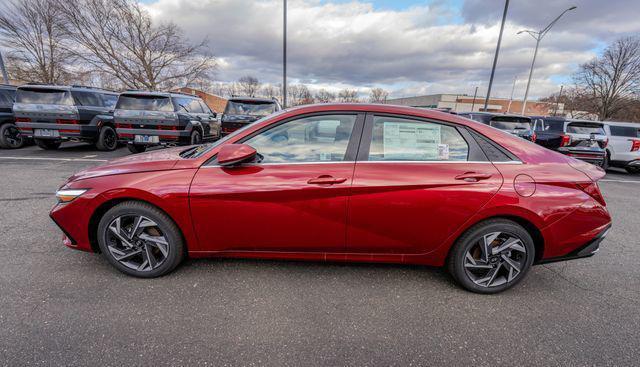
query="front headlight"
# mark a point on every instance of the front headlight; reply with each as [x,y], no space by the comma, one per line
[67,195]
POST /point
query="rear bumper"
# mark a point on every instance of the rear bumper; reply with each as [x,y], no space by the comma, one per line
[635,163]
[588,249]
[65,131]
[595,157]
[166,137]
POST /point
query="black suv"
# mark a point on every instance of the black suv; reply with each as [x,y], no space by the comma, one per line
[52,114]
[582,139]
[513,124]
[146,119]
[241,111]
[10,137]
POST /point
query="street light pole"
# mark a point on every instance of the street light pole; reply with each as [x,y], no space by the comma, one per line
[495,57]
[538,36]
[284,55]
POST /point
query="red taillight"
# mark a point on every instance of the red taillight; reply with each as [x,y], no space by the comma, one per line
[534,137]
[65,121]
[23,119]
[123,126]
[592,189]
[566,140]
[161,127]
[635,145]
[606,142]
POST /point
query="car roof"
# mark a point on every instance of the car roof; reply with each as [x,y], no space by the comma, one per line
[621,123]
[8,87]
[492,114]
[67,87]
[158,93]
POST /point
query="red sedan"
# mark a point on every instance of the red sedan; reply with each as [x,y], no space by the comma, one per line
[344,182]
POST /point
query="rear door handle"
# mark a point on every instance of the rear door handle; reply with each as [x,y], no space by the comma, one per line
[473,176]
[326,180]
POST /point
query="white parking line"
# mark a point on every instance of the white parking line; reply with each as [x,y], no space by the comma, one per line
[622,181]
[56,159]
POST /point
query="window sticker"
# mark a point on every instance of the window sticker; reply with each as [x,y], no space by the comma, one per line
[443,152]
[412,141]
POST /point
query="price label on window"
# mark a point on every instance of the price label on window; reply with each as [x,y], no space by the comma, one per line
[407,141]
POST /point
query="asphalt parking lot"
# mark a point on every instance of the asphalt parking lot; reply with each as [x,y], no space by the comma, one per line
[63,307]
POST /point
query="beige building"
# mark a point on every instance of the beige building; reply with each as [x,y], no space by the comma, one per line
[466,103]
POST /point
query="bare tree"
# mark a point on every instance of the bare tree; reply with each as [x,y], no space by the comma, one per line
[299,94]
[610,81]
[348,96]
[32,31]
[378,95]
[270,91]
[324,96]
[249,85]
[117,37]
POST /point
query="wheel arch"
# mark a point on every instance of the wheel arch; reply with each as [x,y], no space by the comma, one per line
[103,208]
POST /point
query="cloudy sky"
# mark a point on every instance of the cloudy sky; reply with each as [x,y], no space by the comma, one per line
[408,47]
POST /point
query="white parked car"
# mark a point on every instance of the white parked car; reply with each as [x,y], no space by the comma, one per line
[623,149]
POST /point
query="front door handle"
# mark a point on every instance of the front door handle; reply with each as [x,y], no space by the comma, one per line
[326,180]
[473,176]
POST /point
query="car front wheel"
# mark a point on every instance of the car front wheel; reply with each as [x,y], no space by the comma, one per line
[140,240]
[48,144]
[492,256]
[196,137]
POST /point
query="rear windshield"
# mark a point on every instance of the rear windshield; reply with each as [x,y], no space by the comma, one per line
[250,108]
[626,131]
[144,103]
[510,123]
[44,96]
[580,128]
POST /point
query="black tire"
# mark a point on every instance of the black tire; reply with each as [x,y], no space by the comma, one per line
[468,242]
[48,144]
[10,137]
[196,137]
[136,148]
[165,226]
[632,170]
[605,161]
[107,139]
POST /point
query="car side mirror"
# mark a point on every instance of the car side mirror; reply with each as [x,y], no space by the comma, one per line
[232,154]
[214,115]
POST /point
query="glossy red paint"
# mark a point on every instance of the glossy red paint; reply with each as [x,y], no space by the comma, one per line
[345,211]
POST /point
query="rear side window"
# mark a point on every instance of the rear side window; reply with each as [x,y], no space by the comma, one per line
[579,128]
[109,100]
[144,103]
[398,139]
[625,131]
[87,99]
[553,125]
[44,96]
[7,97]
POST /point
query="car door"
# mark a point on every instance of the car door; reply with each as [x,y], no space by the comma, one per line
[89,104]
[294,199]
[211,127]
[415,183]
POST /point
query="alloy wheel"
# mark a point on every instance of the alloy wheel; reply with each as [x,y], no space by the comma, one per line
[12,137]
[137,242]
[495,259]
[110,139]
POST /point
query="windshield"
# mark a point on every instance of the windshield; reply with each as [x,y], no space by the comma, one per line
[249,108]
[144,103]
[586,129]
[44,96]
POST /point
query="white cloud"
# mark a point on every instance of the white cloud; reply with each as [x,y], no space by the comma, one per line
[355,45]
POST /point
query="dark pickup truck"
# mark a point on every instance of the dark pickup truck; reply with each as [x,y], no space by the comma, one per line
[52,114]
[241,111]
[513,124]
[145,119]
[582,139]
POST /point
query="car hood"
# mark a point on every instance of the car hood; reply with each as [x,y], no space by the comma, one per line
[158,160]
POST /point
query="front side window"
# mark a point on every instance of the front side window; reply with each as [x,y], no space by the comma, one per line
[109,100]
[7,97]
[397,139]
[310,139]
[87,99]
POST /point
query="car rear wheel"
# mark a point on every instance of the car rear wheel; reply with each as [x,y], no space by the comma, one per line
[492,256]
[10,137]
[48,144]
[140,240]
[107,140]
[136,148]
[196,137]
